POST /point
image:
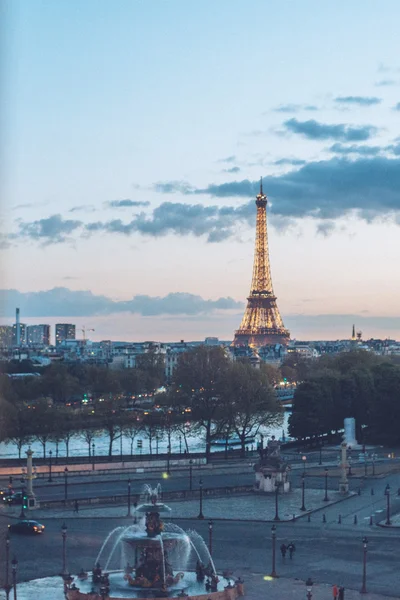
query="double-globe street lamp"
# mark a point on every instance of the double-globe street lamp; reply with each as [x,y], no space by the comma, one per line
[277,485]
[65,485]
[309,586]
[210,536]
[364,577]
[93,455]
[200,515]
[273,534]
[14,565]
[7,586]
[64,550]
[129,497]
[303,489]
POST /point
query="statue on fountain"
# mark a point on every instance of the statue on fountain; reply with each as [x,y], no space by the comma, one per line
[271,470]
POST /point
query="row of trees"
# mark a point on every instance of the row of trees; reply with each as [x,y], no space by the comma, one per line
[355,384]
[218,397]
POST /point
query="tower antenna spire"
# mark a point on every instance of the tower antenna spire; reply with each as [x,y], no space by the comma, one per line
[261,190]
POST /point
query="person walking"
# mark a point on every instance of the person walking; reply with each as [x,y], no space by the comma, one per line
[341,593]
[76,507]
[335,592]
[283,550]
[292,548]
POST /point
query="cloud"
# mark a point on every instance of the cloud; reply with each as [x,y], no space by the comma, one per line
[294,108]
[326,228]
[50,230]
[295,162]
[62,301]
[84,207]
[397,107]
[173,186]
[125,203]
[232,170]
[228,159]
[358,100]
[385,82]
[356,149]
[321,131]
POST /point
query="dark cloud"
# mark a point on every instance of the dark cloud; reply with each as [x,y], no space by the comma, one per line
[356,149]
[125,203]
[294,108]
[358,100]
[394,149]
[173,186]
[51,230]
[397,107]
[65,302]
[322,131]
[325,228]
[295,162]
[232,170]
[84,207]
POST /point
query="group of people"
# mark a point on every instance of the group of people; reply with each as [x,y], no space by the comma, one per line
[291,548]
[338,592]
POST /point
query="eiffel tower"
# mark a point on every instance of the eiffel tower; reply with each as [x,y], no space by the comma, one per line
[261,324]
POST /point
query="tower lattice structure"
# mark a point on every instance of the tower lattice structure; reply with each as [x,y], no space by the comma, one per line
[262,323]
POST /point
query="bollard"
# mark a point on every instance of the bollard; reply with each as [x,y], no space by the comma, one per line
[355,519]
[340,519]
[324,518]
[294,517]
[359,491]
[370,520]
[372,491]
[309,518]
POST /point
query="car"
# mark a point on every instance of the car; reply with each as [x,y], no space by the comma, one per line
[4,492]
[26,526]
[15,498]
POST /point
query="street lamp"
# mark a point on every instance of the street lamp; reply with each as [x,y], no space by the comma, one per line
[273,533]
[65,485]
[309,586]
[129,497]
[168,458]
[387,493]
[180,445]
[210,536]
[303,489]
[50,455]
[23,494]
[7,585]
[277,484]
[190,475]
[64,554]
[93,455]
[364,579]
[135,507]
[304,459]
[14,565]
[320,454]
[200,515]
[326,499]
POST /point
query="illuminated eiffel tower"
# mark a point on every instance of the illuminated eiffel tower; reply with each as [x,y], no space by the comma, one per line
[261,324]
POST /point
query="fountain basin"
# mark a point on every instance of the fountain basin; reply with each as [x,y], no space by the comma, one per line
[121,590]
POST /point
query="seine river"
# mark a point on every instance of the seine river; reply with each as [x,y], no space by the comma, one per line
[79,447]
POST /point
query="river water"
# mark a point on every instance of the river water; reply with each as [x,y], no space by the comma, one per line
[79,447]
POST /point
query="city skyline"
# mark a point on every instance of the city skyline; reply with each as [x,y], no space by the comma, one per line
[134,142]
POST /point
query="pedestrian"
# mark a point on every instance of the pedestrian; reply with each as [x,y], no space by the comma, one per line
[292,548]
[283,550]
[341,593]
[76,507]
[335,592]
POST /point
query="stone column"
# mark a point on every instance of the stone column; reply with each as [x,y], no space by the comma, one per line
[343,483]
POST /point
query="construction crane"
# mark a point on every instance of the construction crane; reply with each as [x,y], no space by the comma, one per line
[84,331]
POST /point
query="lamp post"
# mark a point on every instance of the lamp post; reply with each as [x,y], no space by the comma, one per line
[309,586]
[387,493]
[200,515]
[303,489]
[129,497]
[180,445]
[14,565]
[210,536]
[190,475]
[364,578]
[273,534]
[93,455]
[135,516]
[326,499]
[65,485]
[304,459]
[320,454]
[7,585]
[50,456]
[277,484]
[64,549]
[168,459]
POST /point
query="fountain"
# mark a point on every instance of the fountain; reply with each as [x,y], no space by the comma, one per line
[151,559]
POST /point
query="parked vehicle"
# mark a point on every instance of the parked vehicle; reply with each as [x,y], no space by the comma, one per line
[15,498]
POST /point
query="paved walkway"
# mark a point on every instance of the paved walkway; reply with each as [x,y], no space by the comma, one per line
[257,587]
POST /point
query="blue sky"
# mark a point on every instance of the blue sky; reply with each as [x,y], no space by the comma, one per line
[133,137]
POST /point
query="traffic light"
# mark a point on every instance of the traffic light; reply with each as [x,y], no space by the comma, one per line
[24,501]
